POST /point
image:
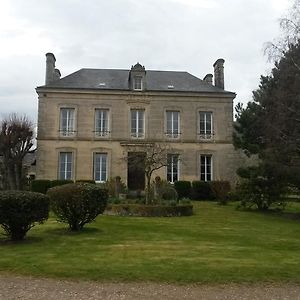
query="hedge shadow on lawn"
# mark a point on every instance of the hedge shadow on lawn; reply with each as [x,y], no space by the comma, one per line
[27,241]
[67,231]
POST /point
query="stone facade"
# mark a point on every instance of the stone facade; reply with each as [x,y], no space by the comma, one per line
[83,143]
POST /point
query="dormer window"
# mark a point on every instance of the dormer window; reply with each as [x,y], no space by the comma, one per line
[137,83]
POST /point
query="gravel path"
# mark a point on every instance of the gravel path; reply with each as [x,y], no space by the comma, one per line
[16,287]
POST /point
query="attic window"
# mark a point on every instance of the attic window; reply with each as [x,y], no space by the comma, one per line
[137,83]
[102,84]
[170,87]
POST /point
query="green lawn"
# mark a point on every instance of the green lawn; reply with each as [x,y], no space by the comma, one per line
[217,244]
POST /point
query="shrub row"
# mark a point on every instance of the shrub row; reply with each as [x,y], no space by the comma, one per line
[42,186]
[203,190]
[149,210]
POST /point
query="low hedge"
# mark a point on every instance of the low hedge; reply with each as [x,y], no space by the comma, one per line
[183,189]
[201,190]
[139,210]
[20,210]
[40,185]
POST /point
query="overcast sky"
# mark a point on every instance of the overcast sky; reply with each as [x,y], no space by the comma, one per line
[182,35]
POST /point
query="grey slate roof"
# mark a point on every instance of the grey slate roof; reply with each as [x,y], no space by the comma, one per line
[118,80]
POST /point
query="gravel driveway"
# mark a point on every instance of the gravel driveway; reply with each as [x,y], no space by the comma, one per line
[16,287]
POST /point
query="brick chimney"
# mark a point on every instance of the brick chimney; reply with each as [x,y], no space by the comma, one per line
[52,74]
[208,78]
[219,73]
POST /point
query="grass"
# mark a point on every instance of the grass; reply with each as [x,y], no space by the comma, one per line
[217,245]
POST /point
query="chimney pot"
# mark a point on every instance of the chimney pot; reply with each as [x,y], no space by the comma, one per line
[219,73]
[50,67]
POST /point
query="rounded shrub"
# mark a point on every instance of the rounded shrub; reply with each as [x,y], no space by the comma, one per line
[59,182]
[77,203]
[201,190]
[168,193]
[20,210]
[221,191]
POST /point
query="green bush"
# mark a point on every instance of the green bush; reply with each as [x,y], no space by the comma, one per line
[59,182]
[86,181]
[110,185]
[20,210]
[168,193]
[40,185]
[221,190]
[150,210]
[183,189]
[77,203]
[201,190]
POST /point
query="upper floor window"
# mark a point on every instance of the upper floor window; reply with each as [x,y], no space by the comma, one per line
[67,121]
[206,171]
[173,124]
[100,167]
[137,83]
[172,167]
[205,125]
[101,122]
[65,168]
[137,123]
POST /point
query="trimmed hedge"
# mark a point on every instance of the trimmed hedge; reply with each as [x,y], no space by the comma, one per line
[221,190]
[60,182]
[77,203]
[183,189]
[86,181]
[40,186]
[201,190]
[149,210]
[20,210]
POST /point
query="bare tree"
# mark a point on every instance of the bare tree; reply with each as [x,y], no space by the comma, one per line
[290,35]
[16,140]
[154,158]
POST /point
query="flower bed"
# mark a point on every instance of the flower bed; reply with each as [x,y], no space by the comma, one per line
[140,210]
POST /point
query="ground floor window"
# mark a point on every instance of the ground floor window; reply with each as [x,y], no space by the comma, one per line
[100,167]
[173,168]
[65,165]
[206,171]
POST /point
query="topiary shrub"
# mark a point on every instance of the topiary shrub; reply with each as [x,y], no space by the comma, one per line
[168,193]
[40,185]
[20,210]
[59,182]
[201,190]
[183,189]
[77,203]
[221,190]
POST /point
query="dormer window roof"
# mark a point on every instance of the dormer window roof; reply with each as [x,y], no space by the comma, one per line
[137,80]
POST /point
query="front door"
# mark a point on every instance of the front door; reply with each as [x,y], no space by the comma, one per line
[136,171]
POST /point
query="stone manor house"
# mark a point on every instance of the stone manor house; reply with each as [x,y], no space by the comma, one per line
[88,120]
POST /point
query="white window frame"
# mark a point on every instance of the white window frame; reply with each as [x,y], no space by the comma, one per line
[69,129]
[102,155]
[103,129]
[208,161]
[137,132]
[171,166]
[171,132]
[205,133]
[138,83]
[65,158]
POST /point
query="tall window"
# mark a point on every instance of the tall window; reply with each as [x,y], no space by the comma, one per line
[206,171]
[205,125]
[137,123]
[101,122]
[67,121]
[173,124]
[173,167]
[137,83]
[65,165]
[100,167]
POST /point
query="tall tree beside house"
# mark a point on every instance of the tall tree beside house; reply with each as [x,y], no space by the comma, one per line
[270,127]
[16,140]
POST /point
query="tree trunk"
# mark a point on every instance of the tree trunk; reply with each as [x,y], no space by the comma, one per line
[11,176]
[148,196]
[18,170]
